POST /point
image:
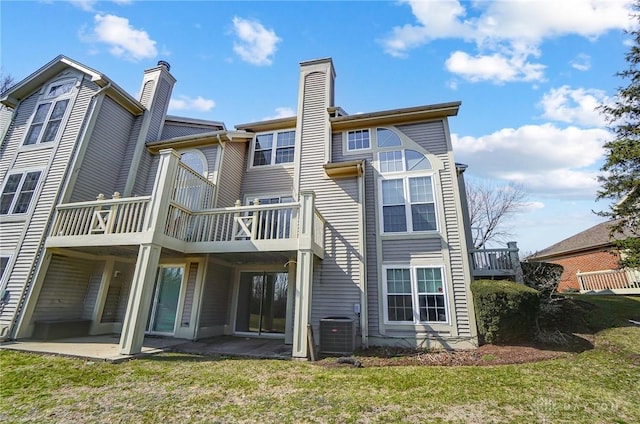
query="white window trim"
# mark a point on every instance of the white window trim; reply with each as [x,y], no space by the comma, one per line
[386,148]
[202,157]
[345,141]
[414,295]
[36,192]
[39,144]
[274,149]
[5,276]
[181,296]
[405,176]
[250,198]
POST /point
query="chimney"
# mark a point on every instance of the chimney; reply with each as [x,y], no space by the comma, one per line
[155,93]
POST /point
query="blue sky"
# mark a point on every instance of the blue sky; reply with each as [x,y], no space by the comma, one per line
[528,73]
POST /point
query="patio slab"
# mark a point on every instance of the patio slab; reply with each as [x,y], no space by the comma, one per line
[99,348]
[247,347]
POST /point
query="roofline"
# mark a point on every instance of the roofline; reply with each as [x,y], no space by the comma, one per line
[197,140]
[194,121]
[571,251]
[28,85]
[272,124]
[396,116]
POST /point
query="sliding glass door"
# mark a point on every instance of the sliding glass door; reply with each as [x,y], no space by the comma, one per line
[262,303]
[166,296]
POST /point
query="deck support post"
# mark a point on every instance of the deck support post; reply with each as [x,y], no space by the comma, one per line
[515,262]
[135,319]
[304,276]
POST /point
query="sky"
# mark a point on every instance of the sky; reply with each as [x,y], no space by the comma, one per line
[529,74]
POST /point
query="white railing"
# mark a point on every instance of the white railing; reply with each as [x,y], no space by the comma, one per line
[318,229]
[259,222]
[622,281]
[109,216]
[192,190]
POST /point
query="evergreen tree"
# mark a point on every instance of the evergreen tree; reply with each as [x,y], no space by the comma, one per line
[620,182]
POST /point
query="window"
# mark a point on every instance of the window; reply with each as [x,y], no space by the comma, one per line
[266,152]
[358,140]
[414,295]
[49,114]
[408,201]
[17,192]
[195,160]
[408,204]
[387,138]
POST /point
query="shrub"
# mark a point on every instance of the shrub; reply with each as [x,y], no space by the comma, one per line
[542,276]
[505,311]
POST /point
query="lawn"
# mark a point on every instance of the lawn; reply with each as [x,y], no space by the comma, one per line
[601,385]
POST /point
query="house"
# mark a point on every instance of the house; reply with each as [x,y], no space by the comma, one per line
[590,262]
[119,219]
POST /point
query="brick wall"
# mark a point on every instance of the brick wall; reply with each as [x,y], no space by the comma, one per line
[584,262]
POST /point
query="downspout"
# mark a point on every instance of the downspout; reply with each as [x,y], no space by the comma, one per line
[38,260]
[364,305]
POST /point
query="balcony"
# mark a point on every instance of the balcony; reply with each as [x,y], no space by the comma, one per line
[501,263]
[182,218]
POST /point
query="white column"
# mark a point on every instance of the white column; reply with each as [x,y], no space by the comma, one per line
[140,296]
[304,276]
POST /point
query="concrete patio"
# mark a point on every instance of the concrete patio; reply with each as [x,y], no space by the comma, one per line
[106,348]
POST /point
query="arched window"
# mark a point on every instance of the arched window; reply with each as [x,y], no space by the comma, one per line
[195,160]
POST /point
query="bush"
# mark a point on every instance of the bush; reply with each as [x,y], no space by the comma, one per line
[505,311]
[542,276]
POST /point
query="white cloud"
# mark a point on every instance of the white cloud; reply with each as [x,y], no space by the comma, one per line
[545,159]
[124,40]
[281,112]
[574,106]
[582,62]
[255,44]
[86,5]
[496,27]
[199,103]
[496,68]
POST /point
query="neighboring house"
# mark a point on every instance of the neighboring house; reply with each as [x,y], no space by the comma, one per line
[590,262]
[117,218]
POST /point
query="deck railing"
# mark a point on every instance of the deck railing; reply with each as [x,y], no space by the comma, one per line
[501,263]
[192,190]
[102,216]
[259,222]
[622,281]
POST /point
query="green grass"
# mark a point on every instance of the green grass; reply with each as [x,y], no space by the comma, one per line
[597,386]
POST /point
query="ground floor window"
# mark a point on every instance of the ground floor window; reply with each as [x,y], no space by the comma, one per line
[414,294]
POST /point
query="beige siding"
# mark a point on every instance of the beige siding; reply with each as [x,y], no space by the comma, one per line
[33,158]
[189,293]
[231,172]
[106,147]
[65,288]
[411,250]
[268,179]
[36,225]
[215,296]
[430,135]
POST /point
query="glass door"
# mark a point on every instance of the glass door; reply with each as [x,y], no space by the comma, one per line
[262,303]
[164,307]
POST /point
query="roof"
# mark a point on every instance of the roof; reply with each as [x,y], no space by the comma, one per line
[200,139]
[27,86]
[395,116]
[592,238]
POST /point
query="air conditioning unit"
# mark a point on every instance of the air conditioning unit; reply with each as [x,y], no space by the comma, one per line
[337,335]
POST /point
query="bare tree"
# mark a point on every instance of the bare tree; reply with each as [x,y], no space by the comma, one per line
[6,81]
[490,208]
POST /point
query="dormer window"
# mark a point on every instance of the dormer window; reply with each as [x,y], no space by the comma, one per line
[49,114]
[274,148]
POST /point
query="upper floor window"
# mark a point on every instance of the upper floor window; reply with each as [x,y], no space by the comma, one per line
[47,119]
[195,160]
[387,138]
[18,191]
[358,140]
[274,148]
[408,200]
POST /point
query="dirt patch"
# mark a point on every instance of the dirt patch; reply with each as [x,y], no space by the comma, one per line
[484,355]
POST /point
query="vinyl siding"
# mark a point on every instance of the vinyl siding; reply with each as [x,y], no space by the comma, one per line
[211,154]
[215,296]
[158,110]
[175,130]
[33,158]
[152,162]
[115,305]
[50,182]
[93,286]
[65,288]
[231,173]
[431,136]
[107,146]
[411,250]
[337,277]
[267,179]
[188,295]
[126,165]
[15,136]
